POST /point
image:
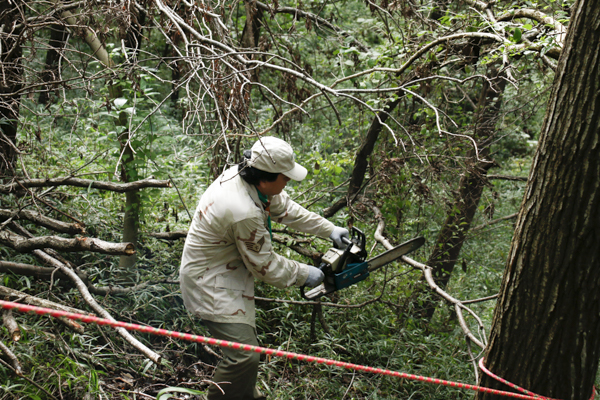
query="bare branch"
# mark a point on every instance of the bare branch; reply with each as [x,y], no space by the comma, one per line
[507,217]
[429,277]
[25,245]
[169,235]
[538,16]
[23,297]
[95,306]
[86,183]
[13,359]
[508,178]
[318,21]
[43,220]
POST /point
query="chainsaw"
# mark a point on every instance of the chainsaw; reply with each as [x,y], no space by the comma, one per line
[346,267]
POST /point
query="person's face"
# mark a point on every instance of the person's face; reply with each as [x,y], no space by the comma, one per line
[275,187]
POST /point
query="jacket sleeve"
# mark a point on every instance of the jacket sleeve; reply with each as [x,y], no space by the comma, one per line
[286,211]
[254,245]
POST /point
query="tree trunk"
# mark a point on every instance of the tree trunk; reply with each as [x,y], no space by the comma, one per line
[460,216]
[129,173]
[544,334]
[51,73]
[361,162]
[10,83]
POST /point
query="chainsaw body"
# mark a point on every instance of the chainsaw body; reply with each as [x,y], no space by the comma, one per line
[342,267]
[345,267]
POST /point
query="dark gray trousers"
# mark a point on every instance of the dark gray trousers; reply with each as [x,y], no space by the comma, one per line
[236,373]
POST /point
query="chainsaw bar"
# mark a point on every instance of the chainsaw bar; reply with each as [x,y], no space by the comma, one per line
[391,255]
[360,271]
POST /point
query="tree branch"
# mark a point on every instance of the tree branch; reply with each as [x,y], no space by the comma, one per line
[508,178]
[13,359]
[507,217]
[86,183]
[538,16]
[11,325]
[95,306]
[427,271]
[25,245]
[318,21]
[43,220]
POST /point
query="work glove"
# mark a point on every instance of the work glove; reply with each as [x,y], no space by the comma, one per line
[315,276]
[337,235]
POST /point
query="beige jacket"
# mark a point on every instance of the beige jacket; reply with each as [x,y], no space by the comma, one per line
[228,245]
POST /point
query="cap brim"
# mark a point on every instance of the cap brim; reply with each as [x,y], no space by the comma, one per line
[297,173]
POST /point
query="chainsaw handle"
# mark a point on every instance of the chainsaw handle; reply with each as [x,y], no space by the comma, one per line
[326,287]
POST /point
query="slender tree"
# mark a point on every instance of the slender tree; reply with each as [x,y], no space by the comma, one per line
[544,335]
[10,85]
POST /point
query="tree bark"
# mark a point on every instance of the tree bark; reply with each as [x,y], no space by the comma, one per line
[544,334]
[10,84]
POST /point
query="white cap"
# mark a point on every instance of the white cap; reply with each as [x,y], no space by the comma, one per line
[271,154]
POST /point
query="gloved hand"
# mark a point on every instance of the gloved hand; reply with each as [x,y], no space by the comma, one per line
[315,276]
[337,235]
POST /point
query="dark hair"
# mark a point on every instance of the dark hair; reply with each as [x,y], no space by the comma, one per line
[252,175]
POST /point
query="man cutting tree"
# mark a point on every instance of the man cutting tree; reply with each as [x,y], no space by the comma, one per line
[229,245]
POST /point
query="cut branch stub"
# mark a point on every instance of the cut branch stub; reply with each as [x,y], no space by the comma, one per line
[11,324]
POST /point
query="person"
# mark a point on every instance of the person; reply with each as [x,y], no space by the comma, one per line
[229,245]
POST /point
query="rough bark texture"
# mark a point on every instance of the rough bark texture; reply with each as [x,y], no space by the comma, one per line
[544,334]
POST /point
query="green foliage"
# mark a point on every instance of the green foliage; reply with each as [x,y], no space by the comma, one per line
[412,178]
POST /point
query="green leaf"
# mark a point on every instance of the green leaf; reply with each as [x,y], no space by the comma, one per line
[517,35]
[164,394]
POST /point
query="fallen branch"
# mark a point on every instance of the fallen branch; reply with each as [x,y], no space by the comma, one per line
[36,301]
[11,324]
[21,297]
[457,303]
[25,245]
[42,220]
[13,359]
[95,306]
[54,274]
[31,270]
[85,183]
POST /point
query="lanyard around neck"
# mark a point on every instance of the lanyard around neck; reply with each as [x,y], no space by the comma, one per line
[265,200]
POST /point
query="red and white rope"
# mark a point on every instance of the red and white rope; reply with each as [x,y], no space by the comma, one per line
[261,350]
[517,387]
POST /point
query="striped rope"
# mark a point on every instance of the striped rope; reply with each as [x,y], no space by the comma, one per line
[517,387]
[257,349]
